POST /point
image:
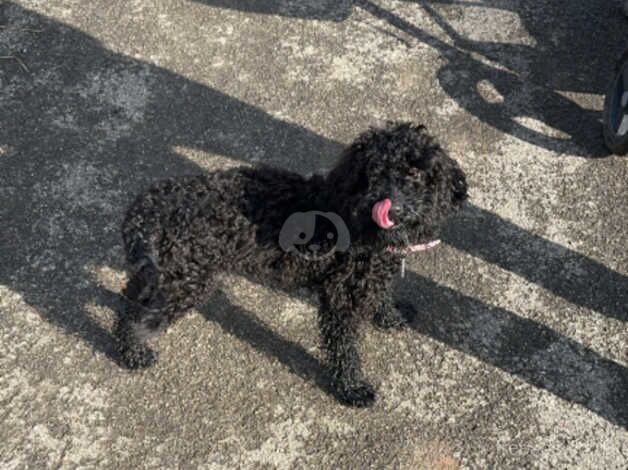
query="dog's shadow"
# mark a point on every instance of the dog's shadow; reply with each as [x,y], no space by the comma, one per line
[85,129]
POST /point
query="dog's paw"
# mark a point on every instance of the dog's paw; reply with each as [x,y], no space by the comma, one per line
[359,394]
[137,357]
[395,318]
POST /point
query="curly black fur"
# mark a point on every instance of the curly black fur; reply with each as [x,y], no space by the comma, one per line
[182,231]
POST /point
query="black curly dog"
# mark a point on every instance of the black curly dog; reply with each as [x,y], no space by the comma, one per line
[391,190]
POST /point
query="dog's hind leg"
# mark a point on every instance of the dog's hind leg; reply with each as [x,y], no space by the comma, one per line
[145,314]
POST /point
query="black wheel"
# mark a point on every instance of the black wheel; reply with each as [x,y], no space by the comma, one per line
[616,110]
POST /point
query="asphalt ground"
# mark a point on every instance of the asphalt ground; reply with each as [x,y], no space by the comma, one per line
[518,356]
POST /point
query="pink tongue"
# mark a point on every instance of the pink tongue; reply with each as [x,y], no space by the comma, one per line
[379,214]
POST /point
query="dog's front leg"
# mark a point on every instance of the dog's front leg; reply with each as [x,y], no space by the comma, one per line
[388,312]
[339,332]
[339,318]
[387,315]
[392,314]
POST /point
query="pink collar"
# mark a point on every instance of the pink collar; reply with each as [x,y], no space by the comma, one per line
[411,249]
[414,248]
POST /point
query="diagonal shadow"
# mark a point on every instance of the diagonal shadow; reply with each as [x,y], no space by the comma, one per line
[326,10]
[83,132]
[564,272]
[87,128]
[547,44]
[533,72]
[522,347]
[531,75]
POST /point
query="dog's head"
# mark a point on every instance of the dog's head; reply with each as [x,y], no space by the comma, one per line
[395,186]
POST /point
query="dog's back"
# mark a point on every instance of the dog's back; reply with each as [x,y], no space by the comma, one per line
[187,228]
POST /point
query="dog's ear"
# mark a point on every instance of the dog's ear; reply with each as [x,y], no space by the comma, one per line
[347,190]
[349,177]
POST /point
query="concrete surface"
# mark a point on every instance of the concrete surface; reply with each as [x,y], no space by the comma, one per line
[518,358]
